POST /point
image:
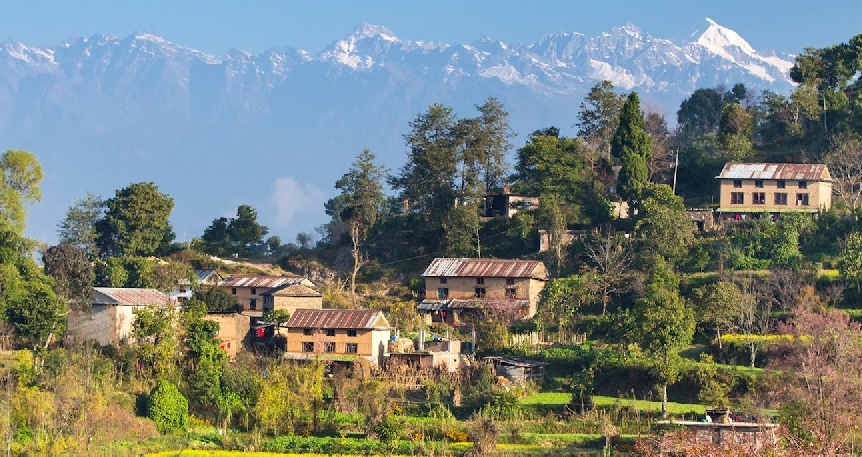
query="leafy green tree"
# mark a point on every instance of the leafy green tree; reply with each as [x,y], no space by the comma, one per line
[215,298]
[491,140]
[72,273]
[599,116]
[78,227]
[33,309]
[216,238]
[719,304]
[19,186]
[665,326]
[563,300]
[662,229]
[700,113]
[360,204]
[136,222]
[154,330]
[633,146]
[244,231]
[734,132]
[850,260]
[167,407]
[204,358]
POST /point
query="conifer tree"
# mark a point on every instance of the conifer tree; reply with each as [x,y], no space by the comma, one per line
[633,147]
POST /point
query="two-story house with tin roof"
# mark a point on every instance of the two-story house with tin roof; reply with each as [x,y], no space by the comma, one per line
[341,334]
[756,188]
[259,293]
[509,288]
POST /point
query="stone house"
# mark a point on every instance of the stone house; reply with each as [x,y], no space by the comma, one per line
[249,290]
[292,296]
[506,287]
[340,334]
[750,189]
[233,331]
[111,315]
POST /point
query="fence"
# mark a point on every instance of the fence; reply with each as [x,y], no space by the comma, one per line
[537,340]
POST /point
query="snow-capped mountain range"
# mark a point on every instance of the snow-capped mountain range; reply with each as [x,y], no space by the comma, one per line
[277,129]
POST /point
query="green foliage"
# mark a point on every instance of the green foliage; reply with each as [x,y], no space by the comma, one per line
[72,272]
[599,116]
[241,235]
[167,407]
[136,222]
[633,146]
[850,259]
[216,298]
[20,175]
[157,345]
[663,230]
[563,299]
[78,226]
[713,392]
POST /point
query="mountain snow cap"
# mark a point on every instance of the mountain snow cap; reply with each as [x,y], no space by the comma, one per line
[718,39]
[366,30]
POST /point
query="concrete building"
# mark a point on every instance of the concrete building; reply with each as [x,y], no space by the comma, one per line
[111,315]
[339,334]
[509,288]
[750,189]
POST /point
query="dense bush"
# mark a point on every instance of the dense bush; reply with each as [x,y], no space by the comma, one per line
[168,407]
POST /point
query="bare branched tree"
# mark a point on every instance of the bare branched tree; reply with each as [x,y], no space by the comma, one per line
[844,160]
[609,257]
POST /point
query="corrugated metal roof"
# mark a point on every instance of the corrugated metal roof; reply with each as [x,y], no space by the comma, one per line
[129,297]
[433,305]
[486,268]
[295,289]
[204,274]
[337,319]
[262,282]
[785,171]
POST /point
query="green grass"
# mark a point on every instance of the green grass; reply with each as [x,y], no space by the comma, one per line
[552,399]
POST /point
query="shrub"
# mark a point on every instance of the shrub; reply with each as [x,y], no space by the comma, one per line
[167,407]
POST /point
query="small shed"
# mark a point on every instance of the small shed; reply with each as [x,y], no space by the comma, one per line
[516,369]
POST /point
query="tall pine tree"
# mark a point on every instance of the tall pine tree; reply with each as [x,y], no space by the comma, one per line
[632,146]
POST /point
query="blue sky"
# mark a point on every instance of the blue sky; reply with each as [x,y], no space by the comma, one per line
[255,25]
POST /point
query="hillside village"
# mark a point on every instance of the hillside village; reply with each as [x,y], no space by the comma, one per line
[632,289]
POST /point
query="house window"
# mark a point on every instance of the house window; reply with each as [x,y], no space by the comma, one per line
[803,184]
[233,290]
[253,291]
[737,198]
[780,198]
[781,184]
[480,280]
[801,199]
[737,183]
[510,281]
[330,332]
[307,346]
[351,333]
[443,280]
[351,348]
[480,292]
[443,292]
[511,293]
[328,347]
[758,183]
[252,303]
[307,331]
[758,198]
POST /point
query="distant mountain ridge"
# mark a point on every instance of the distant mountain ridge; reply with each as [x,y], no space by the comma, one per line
[276,129]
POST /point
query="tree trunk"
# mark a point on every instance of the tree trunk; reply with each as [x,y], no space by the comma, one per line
[664,400]
[718,332]
[354,236]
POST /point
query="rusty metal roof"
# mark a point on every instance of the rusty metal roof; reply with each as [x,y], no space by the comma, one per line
[338,319]
[262,282]
[494,304]
[486,268]
[129,297]
[784,171]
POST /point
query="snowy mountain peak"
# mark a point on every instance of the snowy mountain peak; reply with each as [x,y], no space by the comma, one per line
[718,39]
[366,30]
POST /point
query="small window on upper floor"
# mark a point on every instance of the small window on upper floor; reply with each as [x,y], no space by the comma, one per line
[737,183]
[233,290]
[480,280]
[330,332]
[803,184]
[781,184]
[510,281]
[351,333]
[253,291]
[307,331]
[442,280]
[758,183]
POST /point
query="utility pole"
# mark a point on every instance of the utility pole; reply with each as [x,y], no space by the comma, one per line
[675,168]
